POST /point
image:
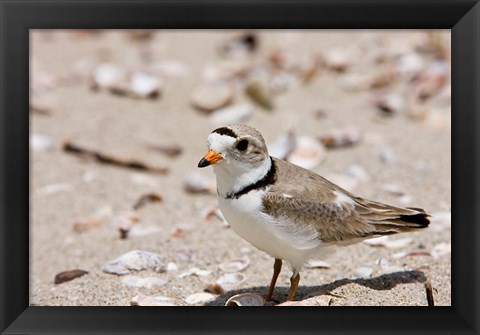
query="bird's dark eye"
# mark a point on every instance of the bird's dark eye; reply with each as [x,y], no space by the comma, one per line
[242,145]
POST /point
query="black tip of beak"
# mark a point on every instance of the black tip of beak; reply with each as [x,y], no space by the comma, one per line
[203,162]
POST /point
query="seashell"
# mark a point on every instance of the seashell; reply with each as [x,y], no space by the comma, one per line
[124,223]
[100,217]
[69,275]
[143,85]
[282,82]
[338,59]
[136,260]
[259,92]
[215,289]
[354,82]
[385,241]
[171,266]
[390,104]
[442,249]
[140,34]
[321,300]
[358,172]
[235,265]
[107,75]
[308,153]
[55,188]
[89,176]
[410,63]
[144,230]
[215,211]
[394,189]
[141,179]
[240,46]
[231,280]
[195,271]
[317,264]
[432,80]
[405,200]
[148,282]
[144,300]
[199,298]
[168,149]
[363,272]
[403,254]
[388,156]
[184,254]
[341,138]
[181,230]
[40,142]
[245,299]
[239,113]
[147,198]
[41,104]
[197,182]
[283,145]
[209,97]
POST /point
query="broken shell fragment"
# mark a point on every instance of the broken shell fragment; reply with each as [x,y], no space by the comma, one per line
[148,282]
[390,104]
[341,138]
[198,182]
[144,300]
[384,241]
[199,298]
[231,280]
[235,265]
[338,60]
[135,260]
[147,198]
[124,222]
[195,271]
[209,97]
[317,264]
[233,114]
[107,75]
[168,149]
[363,272]
[245,299]
[321,300]
[308,153]
[69,275]
[40,142]
[240,46]
[144,85]
[259,92]
[100,217]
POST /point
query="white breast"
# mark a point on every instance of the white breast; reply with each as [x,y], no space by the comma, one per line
[264,232]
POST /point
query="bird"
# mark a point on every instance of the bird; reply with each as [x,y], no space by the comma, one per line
[289,212]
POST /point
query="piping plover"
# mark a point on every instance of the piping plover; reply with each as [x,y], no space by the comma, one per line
[289,212]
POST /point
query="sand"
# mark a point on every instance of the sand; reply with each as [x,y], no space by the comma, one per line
[122,126]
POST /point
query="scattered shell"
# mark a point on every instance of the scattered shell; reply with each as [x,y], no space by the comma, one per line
[282,82]
[40,142]
[441,249]
[394,189]
[171,68]
[168,149]
[135,260]
[230,280]
[209,97]
[337,59]
[388,156]
[259,92]
[141,179]
[215,211]
[410,63]
[55,188]
[342,138]
[196,272]
[171,266]
[140,34]
[403,254]
[144,300]
[40,104]
[100,217]
[432,80]
[148,282]
[239,113]
[69,275]
[317,264]
[321,300]
[390,104]
[385,241]
[214,288]
[245,299]
[89,176]
[198,182]
[124,222]
[143,85]
[363,272]
[107,75]
[181,230]
[358,172]
[199,298]
[240,46]
[308,153]
[147,198]
[184,254]
[235,265]
[283,145]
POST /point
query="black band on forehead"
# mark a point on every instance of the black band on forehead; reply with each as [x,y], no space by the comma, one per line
[225,131]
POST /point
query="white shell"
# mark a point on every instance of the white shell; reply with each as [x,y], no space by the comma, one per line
[40,142]
[308,153]
[321,300]
[341,138]
[317,264]
[363,272]
[144,300]
[200,298]
[198,182]
[245,299]
[385,241]
[107,75]
[148,282]
[235,265]
[195,271]
[230,280]
[210,97]
[239,113]
[144,85]
[135,260]
[441,249]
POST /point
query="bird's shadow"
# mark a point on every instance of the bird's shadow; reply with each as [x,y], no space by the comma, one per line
[380,283]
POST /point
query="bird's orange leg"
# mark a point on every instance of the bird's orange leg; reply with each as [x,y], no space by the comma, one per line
[294,280]
[277,266]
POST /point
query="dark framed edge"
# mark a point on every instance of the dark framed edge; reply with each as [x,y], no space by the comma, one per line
[18,16]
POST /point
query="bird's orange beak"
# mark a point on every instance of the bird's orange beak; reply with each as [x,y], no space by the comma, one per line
[210,158]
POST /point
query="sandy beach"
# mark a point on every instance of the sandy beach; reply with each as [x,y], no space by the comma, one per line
[389,88]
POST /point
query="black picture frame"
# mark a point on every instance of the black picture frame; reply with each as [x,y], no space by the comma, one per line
[18,16]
